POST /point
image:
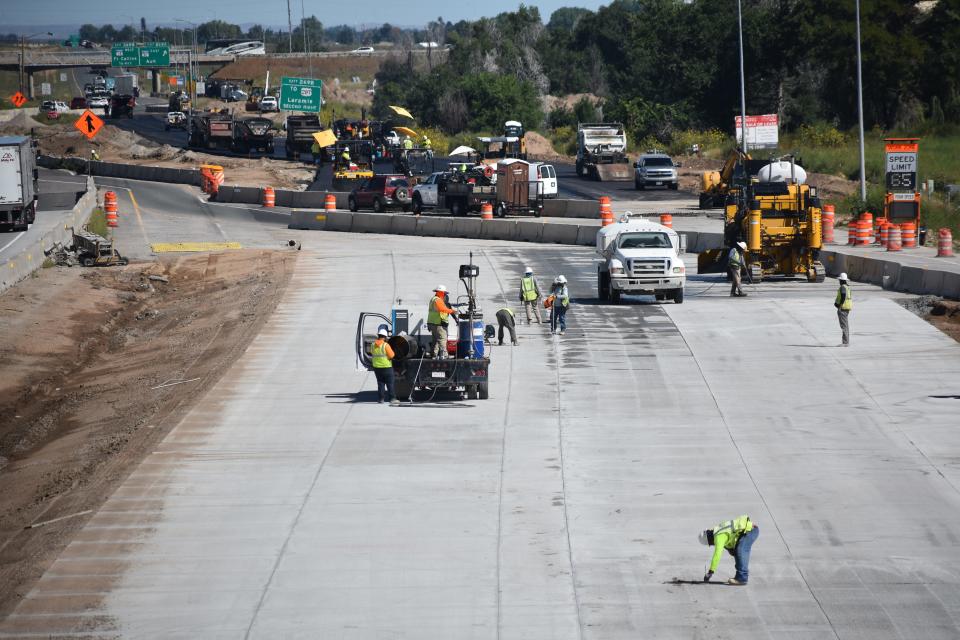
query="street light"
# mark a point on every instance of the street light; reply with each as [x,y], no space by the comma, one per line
[23,54]
[863,160]
[191,80]
[743,92]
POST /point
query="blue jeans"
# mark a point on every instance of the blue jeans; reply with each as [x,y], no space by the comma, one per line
[558,315]
[741,553]
[385,379]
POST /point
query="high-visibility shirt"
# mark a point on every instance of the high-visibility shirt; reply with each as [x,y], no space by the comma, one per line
[529,289]
[733,260]
[315,148]
[508,310]
[408,144]
[726,535]
[439,311]
[845,297]
[382,354]
[563,295]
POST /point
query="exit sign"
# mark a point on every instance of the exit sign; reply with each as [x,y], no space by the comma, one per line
[131,54]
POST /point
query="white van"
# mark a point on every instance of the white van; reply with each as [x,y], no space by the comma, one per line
[546,176]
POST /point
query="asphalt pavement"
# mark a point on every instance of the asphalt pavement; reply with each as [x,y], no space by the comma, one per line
[288,504]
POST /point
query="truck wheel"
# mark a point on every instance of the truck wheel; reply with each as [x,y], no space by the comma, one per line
[674,186]
[402,388]
[456,208]
[615,296]
[705,201]
[352,204]
[472,391]
[579,170]
[417,204]
[678,296]
[603,285]
[378,205]
[639,186]
[501,210]
[87,261]
[483,391]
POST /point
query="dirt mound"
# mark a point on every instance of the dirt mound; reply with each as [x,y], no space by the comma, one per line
[539,148]
[19,124]
[568,101]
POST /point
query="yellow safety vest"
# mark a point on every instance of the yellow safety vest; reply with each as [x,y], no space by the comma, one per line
[726,535]
[847,300]
[508,310]
[528,288]
[379,352]
[734,260]
[434,316]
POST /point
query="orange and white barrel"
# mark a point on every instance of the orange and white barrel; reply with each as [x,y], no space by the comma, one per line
[852,228]
[486,211]
[945,243]
[330,202]
[666,220]
[269,197]
[908,231]
[827,219]
[864,231]
[884,234]
[606,211]
[893,238]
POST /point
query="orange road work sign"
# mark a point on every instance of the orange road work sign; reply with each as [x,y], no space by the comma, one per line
[88,124]
[18,99]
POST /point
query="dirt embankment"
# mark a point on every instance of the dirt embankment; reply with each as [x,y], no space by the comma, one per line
[99,364]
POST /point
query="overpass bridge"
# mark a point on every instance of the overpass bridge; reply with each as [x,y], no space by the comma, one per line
[29,62]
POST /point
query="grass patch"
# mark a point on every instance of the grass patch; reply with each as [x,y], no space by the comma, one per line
[98,223]
[48,263]
[65,119]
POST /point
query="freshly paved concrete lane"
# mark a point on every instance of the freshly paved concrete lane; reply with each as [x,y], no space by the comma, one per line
[289,504]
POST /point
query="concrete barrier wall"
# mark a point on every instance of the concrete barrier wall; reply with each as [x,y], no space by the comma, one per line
[58,201]
[571,208]
[117,170]
[32,256]
[313,220]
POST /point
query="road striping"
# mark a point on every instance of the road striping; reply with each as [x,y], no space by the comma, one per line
[186,247]
[19,235]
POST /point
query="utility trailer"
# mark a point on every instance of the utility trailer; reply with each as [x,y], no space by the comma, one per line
[211,131]
[18,183]
[602,152]
[467,372]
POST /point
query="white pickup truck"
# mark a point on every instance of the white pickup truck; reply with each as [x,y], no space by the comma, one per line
[640,256]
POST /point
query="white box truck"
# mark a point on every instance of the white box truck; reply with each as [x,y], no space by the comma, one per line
[125,84]
[640,256]
[18,183]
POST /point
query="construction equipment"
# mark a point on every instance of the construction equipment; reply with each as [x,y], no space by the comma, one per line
[602,152]
[179,101]
[211,131]
[253,134]
[175,120]
[716,185]
[778,216]
[253,99]
[352,164]
[512,144]
[95,251]
[412,162]
[466,372]
[300,130]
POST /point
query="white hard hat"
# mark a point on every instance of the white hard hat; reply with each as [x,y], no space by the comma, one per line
[703,538]
[440,287]
[742,245]
[562,279]
[382,332]
[527,271]
[843,277]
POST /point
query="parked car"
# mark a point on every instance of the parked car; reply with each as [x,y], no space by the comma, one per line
[235,95]
[655,170]
[381,193]
[78,103]
[269,103]
[546,176]
[54,105]
[363,50]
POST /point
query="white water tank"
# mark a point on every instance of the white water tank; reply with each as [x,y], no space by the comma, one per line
[782,171]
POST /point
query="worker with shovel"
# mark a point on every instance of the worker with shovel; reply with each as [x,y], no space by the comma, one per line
[737,537]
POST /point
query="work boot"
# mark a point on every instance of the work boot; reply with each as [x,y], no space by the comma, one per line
[394,403]
[736,583]
[515,343]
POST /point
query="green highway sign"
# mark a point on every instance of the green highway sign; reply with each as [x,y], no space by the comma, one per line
[300,94]
[131,54]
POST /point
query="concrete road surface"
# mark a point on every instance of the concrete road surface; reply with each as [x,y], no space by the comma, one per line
[288,504]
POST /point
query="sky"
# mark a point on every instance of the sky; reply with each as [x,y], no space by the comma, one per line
[14,13]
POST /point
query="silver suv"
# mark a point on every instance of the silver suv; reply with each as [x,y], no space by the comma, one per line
[655,170]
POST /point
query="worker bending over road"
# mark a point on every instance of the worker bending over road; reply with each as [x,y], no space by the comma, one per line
[530,294]
[735,265]
[382,356]
[561,301]
[844,303]
[505,319]
[737,537]
[437,318]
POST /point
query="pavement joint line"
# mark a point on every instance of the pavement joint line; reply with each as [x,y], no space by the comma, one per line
[753,481]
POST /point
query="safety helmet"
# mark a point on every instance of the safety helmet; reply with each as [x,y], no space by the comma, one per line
[528,271]
[704,537]
[440,289]
[382,332]
[742,245]
[843,277]
[562,279]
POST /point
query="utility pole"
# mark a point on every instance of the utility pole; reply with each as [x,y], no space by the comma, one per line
[863,160]
[306,42]
[289,29]
[743,92]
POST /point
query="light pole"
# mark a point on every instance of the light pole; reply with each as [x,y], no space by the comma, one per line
[863,160]
[743,91]
[23,56]
[191,79]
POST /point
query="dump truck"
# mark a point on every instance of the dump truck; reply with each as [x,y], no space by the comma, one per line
[639,256]
[602,152]
[18,183]
[300,130]
[253,134]
[778,216]
[211,131]
[466,371]
[126,83]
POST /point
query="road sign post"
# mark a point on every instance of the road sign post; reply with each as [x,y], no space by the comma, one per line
[131,54]
[301,94]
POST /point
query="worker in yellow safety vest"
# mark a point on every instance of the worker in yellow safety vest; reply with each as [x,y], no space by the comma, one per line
[381,358]
[530,294]
[438,315]
[844,303]
[737,537]
[505,320]
[735,264]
